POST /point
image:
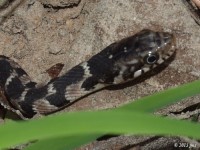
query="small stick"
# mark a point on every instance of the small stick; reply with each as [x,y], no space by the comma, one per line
[197,2]
[194,11]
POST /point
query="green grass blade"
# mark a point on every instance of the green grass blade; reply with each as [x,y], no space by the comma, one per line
[158,100]
[79,123]
[74,124]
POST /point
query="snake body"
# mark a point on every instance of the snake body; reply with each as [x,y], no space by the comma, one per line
[120,62]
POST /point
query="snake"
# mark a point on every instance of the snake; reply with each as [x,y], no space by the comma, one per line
[118,63]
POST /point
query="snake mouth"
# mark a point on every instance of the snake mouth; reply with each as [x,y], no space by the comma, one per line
[173,43]
[173,46]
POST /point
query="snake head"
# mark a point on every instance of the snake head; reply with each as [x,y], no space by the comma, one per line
[154,47]
[141,52]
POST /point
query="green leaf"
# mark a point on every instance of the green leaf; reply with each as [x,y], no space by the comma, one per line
[71,126]
[100,122]
[161,99]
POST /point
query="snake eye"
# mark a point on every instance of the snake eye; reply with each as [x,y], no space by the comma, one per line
[151,59]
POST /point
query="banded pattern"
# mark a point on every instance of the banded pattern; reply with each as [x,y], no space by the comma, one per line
[120,62]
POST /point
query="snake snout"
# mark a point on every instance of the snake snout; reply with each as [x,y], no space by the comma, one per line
[170,42]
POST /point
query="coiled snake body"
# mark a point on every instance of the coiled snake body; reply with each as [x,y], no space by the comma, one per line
[119,62]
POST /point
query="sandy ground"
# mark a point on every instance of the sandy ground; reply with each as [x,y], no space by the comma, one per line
[41,33]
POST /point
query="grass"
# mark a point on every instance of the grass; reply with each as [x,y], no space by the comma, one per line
[71,130]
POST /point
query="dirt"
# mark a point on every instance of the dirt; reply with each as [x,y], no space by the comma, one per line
[40,33]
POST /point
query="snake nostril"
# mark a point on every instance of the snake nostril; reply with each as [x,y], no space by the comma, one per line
[167,37]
